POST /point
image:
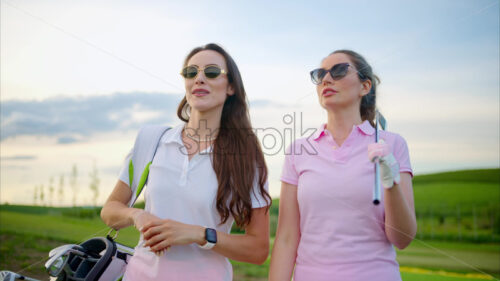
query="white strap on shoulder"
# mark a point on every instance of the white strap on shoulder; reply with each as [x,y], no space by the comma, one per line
[145,147]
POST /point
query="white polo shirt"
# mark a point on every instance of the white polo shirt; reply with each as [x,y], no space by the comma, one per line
[183,190]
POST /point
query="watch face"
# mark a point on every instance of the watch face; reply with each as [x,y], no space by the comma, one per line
[211,235]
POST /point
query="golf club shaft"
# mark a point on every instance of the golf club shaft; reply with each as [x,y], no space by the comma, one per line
[376,186]
[376,189]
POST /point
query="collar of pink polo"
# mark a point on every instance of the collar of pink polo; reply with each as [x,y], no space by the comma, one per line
[365,128]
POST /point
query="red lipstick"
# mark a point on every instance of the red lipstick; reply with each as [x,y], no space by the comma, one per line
[328,92]
[200,92]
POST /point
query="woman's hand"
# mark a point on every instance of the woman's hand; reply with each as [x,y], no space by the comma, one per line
[142,218]
[389,167]
[161,234]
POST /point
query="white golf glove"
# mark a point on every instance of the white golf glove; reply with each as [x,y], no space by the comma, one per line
[389,167]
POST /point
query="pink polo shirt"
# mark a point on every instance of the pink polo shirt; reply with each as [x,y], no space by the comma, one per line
[342,232]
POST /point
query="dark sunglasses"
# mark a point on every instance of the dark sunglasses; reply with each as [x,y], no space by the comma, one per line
[210,71]
[337,72]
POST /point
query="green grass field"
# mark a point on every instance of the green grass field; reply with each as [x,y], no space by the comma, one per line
[27,233]
[25,252]
[459,206]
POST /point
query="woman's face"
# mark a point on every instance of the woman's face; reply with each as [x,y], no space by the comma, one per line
[204,94]
[345,92]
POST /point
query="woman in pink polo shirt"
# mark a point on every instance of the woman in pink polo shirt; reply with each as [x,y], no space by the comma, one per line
[328,228]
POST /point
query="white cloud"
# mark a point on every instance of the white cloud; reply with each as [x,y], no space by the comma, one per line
[74,119]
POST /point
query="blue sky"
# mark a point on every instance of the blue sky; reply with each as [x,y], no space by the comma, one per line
[64,63]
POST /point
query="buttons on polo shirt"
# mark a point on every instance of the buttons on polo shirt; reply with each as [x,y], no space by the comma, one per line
[341,154]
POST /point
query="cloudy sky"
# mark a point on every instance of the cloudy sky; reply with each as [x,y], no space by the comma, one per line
[79,78]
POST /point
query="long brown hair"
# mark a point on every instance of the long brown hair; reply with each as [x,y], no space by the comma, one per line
[368,102]
[237,155]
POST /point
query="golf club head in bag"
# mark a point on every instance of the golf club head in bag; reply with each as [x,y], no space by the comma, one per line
[97,259]
[12,276]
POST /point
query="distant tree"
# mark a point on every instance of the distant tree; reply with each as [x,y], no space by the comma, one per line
[35,195]
[94,184]
[42,195]
[61,189]
[51,191]
[73,182]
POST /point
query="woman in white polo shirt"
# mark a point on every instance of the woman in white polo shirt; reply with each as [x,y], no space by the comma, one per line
[207,172]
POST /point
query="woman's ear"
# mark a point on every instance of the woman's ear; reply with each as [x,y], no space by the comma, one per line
[230,90]
[366,87]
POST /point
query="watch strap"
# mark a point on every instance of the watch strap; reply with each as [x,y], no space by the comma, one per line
[207,245]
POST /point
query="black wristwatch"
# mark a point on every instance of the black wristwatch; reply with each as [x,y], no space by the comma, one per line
[210,237]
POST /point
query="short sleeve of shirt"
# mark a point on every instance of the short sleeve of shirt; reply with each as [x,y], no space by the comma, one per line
[258,200]
[402,155]
[289,173]
[123,176]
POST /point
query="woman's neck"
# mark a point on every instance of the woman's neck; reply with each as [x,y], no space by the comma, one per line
[340,124]
[203,125]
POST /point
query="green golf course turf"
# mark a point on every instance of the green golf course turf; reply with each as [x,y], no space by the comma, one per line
[465,247]
[456,257]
